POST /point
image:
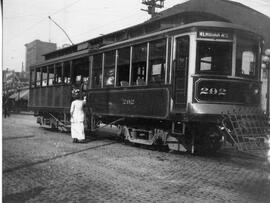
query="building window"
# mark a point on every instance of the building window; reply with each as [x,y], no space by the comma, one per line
[123,65]
[97,71]
[109,69]
[157,62]
[139,56]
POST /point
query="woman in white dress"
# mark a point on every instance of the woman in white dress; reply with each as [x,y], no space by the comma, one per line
[77,119]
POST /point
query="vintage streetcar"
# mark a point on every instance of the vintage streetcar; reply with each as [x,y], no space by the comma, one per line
[190,87]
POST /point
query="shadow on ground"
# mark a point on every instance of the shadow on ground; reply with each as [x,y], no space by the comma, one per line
[23,196]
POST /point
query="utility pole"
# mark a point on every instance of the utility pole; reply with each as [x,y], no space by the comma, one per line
[152,5]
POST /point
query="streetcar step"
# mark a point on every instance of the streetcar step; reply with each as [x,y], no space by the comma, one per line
[141,141]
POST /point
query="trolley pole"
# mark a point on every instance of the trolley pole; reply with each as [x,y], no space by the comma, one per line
[61,29]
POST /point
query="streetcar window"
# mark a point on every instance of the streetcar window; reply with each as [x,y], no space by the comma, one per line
[139,56]
[97,71]
[264,73]
[44,76]
[246,58]
[66,76]
[32,78]
[51,75]
[123,65]
[109,69]
[38,77]
[157,60]
[58,74]
[214,57]
[81,70]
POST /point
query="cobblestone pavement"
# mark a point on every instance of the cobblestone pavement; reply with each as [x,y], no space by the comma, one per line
[44,166]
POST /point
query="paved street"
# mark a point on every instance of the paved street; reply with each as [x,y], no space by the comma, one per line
[44,166]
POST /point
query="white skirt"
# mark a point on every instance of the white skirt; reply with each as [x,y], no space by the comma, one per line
[77,130]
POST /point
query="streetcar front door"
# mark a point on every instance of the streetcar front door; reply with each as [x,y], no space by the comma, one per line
[181,63]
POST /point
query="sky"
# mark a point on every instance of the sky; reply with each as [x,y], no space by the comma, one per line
[27,20]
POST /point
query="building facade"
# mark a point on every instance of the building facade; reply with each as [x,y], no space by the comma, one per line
[35,51]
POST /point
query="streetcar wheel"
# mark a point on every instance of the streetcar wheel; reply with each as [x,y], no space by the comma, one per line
[210,141]
[202,139]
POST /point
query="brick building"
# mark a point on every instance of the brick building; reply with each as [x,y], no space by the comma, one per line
[35,51]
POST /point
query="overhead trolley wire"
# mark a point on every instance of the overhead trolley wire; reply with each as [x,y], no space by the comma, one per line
[101,26]
[43,19]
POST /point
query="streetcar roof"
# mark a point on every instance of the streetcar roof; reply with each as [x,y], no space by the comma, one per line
[208,24]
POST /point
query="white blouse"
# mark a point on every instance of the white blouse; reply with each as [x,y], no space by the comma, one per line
[76,111]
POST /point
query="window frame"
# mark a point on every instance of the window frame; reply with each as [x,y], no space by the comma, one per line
[100,68]
[33,78]
[228,42]
[46,76]
[145,80]
[117,81]
[51,67]
[36,77]
[244,38]
[109,67]
[163,65]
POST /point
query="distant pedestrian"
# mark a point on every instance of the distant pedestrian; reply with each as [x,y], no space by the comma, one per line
[77,118]
[6,107]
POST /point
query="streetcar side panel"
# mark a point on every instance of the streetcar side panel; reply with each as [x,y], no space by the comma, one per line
[147,102]
[50,97]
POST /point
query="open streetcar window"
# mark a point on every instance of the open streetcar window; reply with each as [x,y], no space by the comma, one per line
[214,57]
[38,77]
[51,75]
[246,58]
[32,78]
[139,57]
[58,74]
[109,69]
[123,65]
[66,76]
[44,76]
[157,60]
[80,70]
[97,71]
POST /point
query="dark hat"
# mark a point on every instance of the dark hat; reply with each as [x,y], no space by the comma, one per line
[76,93]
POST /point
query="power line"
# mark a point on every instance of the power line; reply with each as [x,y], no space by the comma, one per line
[71,4]
[101,26]
[43,19]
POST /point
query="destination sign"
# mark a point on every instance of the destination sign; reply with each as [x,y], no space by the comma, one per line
[214,35]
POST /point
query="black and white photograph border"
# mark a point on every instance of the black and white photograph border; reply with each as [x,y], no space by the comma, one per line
[135,101]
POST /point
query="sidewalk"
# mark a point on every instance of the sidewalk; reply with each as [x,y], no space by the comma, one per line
[24,112]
